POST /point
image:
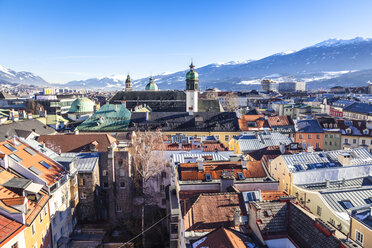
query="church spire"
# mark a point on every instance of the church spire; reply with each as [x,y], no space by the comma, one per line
[128,83]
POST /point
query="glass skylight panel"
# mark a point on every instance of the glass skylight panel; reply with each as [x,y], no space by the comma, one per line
[347,204]
[45,164]
[208,177]
[241,176]
[30,151]
[10,147]
[15,157]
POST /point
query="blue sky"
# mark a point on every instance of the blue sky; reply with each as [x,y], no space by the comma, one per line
[73,40]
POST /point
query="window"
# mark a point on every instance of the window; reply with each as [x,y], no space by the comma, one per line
[162,187]
[163,174]
[363,142]
[15,245]
[317,145]
[104,173]
[309,136]
[354,141]
[122,185]
[330,143]
[105,185]
[45,164]
[300,136]
[41,217]
[347,204]
[359,237]
[163,201]
[326,135]
[33,228]
[227,137]
[83,195]
[82,182]
[45,211]
[347,141]
[326,143]
[118,208]
[319,211]
[331,136]
[29,151]
[318,136]
[16,158]
[10,147]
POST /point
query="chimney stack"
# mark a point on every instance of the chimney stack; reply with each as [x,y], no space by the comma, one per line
[236,217]
[116,108]
[200,164]
[147,116]
[344,158]
[327,183]
[282,148]
[124,103]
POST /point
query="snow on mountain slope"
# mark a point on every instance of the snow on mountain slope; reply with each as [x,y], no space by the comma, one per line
[22,77]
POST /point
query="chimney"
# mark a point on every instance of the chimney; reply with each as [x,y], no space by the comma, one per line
[327,183]
[236,217]
[76,131]
[147,116]
[116,108]
[180,146]
[124,103]
[310,149]
[343,182]
[94,108]
[244,164]
[282,148]
[191,111]
[344,158]
[200,164]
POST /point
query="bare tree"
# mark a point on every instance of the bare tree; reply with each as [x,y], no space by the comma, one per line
[231,102]
[148,163]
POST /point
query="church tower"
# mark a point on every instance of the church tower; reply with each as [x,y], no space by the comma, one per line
[192,86]
[128,84]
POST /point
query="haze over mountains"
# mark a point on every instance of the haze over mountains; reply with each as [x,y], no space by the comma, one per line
[324,65]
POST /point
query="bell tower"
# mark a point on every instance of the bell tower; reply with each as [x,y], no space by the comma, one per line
[192,86]
[128,83]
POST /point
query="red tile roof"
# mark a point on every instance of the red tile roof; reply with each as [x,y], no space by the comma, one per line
[212,146]
[271,195]
[189,171]
[211,211]
[226,238]
[259,119]
[76,142]
[281,120]
[8,229]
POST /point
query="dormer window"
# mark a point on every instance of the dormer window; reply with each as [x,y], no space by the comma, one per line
[330,125]
[348,130]
[365,131]
[325,125]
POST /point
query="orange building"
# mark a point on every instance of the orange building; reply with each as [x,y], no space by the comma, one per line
[309,133]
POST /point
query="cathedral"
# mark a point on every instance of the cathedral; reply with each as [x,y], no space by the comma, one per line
[167,100]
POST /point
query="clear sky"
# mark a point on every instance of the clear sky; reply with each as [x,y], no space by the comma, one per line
[74,39]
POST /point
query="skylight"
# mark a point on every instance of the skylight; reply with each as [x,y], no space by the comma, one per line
[43,163]
[10,147]
[208,177]
[347,204]
[241,176]
[30,151]
[15,157]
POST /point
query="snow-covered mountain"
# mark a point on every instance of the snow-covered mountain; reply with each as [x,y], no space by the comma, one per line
[323,61]
[334,61]
[12,77]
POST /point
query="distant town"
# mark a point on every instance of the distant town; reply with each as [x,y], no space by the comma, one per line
[276,167]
